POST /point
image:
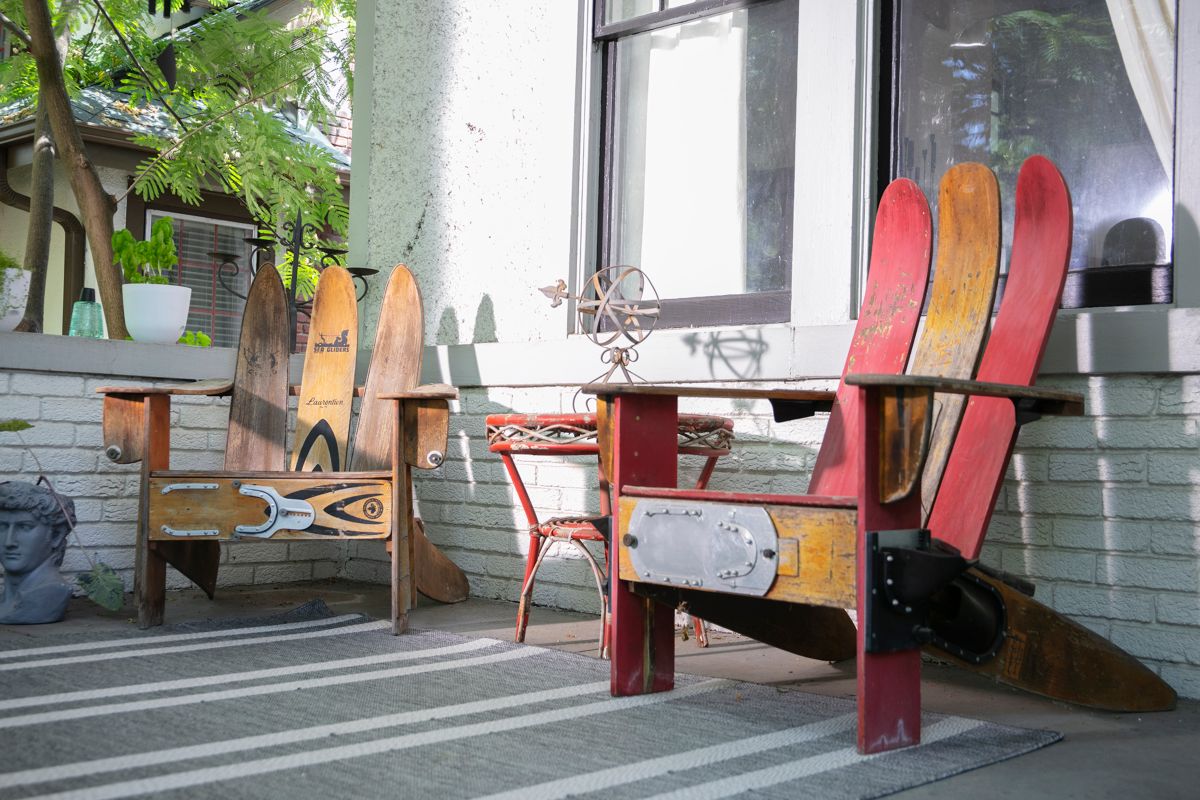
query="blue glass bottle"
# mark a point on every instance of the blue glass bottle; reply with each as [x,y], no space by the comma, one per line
[86,319]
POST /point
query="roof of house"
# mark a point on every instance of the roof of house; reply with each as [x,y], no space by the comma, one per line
[98,107]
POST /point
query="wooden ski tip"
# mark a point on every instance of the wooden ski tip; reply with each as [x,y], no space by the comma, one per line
[1048,654]
[437,577]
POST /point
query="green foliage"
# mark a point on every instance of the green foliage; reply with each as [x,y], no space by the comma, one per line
[236,73]
[103,586]
[145,262]
[7,262]
[196,339]
[14,425]
[307,276]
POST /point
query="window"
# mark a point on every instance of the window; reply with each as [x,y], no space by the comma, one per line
[1089,83]
[698,153]
[203,245]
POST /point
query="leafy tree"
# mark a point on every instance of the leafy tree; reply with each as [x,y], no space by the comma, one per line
[228,78]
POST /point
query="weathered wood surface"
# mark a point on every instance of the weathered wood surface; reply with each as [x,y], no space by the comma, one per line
[825,634]
[903,440]
[960,302]
[429,391]
[394,372]
[426,431]
[807,395]
[257,430]
[123,429]
[395,367]
[258,410]
[324,408]
[150,566]
[212,387]
[1046,653]
[815,548]
[887,322]
[1042,400]
[1040,254]
[345,507]
[440,578]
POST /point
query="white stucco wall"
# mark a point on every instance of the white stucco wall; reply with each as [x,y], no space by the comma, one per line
[468,169]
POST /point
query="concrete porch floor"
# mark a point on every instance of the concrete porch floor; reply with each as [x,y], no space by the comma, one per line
[1103,755]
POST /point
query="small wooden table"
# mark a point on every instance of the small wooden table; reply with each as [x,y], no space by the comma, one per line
[576,435]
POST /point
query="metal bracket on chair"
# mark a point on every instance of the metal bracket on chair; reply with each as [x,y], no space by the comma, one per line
[282,513]
[903,575]
[968,620]
[1025,408]
[788,410]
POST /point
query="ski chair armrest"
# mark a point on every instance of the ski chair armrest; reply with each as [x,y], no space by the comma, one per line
[430,391]
[787,404]
[1030,402]
[125,409]
[424,417]
[216,387]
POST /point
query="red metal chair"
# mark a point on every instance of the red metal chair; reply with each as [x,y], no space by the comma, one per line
[576,435]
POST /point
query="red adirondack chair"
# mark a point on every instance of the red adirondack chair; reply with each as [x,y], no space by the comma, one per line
[857,539]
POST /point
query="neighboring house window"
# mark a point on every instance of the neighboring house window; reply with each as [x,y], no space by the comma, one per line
[1088,83]
[697,153]
[215,309]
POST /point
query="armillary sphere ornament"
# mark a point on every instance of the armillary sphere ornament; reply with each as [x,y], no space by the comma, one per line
[616,303]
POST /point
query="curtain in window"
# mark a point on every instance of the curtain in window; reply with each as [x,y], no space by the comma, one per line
[1146,35]
[683,156]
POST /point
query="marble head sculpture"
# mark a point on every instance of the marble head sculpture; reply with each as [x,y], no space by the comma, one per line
[33,538]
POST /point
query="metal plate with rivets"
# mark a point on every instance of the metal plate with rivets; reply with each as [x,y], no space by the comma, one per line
[713,546]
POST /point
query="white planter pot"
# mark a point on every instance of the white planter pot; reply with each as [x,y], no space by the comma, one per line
[156,313]
[14,291]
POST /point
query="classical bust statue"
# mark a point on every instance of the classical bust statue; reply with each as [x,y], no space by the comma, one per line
[33,538]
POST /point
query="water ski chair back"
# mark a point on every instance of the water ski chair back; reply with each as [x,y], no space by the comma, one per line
[857,539]
[183,515]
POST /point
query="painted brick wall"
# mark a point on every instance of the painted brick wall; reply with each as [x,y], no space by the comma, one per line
[1099,511]
[66,439]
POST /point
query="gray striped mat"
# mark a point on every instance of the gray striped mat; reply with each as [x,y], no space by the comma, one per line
[336,707]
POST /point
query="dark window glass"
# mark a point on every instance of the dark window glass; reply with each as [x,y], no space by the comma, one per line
[1088,83]
[214,310]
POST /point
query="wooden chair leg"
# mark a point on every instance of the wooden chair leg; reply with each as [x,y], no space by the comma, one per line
[889,684]
[402,526]
[150,568]
[642,646]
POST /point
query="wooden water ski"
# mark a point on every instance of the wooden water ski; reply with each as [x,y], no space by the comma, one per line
[887,322]
[327,388]
[960,302]
[1042,651]
[1037,271]
[396,366]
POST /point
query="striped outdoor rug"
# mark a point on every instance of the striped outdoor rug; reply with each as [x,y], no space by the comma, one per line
[336,707]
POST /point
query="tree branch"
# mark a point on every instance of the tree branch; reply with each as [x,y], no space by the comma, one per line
[7,22]
[165,154]
[129,51]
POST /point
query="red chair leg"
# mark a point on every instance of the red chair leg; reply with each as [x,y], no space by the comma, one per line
[644,441]
[889,684]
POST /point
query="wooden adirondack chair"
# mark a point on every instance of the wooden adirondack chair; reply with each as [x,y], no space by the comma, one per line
[184,514]
[856,541]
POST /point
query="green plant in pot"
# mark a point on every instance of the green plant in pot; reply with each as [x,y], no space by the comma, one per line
[156,310]
[14,291]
